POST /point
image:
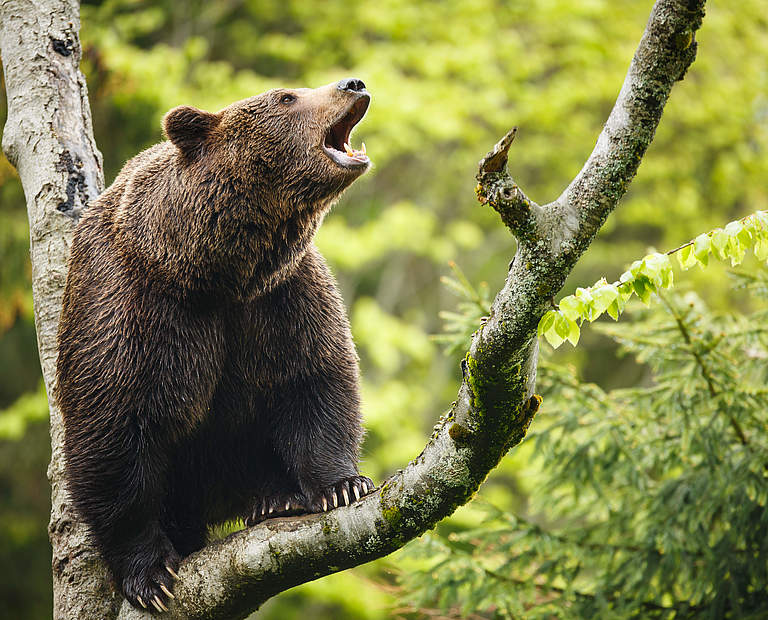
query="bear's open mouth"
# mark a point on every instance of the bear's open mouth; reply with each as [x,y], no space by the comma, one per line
[336,143]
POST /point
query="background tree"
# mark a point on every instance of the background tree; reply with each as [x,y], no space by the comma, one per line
[436,107]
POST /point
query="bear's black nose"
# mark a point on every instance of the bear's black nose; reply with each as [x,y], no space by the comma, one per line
[351,84]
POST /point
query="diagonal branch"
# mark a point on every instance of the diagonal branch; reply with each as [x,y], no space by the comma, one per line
[495,404]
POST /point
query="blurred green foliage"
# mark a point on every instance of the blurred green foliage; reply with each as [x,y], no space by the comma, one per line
[448,79]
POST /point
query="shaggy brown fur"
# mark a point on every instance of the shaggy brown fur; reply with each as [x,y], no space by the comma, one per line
[206,370]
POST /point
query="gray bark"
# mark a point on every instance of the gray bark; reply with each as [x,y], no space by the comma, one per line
[48,137]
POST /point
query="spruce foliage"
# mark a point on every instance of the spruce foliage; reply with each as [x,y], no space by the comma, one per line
[650,501]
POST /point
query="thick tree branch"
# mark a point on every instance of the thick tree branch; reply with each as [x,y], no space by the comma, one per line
[666,50]
[567,226]
[48,137]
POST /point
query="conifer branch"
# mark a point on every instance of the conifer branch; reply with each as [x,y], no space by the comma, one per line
[703,367]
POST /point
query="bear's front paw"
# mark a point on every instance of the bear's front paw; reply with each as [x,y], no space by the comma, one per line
[343,493]
[277,505]
[149,579]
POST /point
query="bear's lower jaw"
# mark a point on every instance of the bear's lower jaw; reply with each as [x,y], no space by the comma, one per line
[359,161]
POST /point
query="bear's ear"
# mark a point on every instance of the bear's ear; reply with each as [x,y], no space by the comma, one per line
[188,127]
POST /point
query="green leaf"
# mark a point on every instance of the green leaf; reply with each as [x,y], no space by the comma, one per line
[734,228]
[562,326]
[588,301]
[625,292]
[627,276]
[753,226]
[616,307]
[686,257]
[573,332]
[546,322]
[603,297]
[572,307]
[735,251]
[645,277]
[584,294]
[761,249]
[761,220]
[739,237]
[658,268]
[745,235]
[644,289]
[701,249]
[668,277]
[550,333]
[556,328]
[719,243]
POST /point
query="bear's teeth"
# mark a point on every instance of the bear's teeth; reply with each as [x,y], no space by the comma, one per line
[352,152]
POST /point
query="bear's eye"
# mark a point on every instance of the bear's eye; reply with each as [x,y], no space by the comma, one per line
[287,98]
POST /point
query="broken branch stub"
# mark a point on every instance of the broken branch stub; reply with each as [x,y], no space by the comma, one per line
[496,187]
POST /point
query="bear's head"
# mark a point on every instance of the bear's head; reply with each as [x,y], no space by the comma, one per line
[292,143]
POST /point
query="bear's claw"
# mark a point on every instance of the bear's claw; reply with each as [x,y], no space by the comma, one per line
[151,575]
[341,493]
[274,506]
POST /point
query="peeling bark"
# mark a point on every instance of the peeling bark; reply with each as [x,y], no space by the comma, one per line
[48,137]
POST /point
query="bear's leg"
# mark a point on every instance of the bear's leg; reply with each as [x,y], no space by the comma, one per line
[117,483]
[317,433]
[135,380]
[277,496]
[274,504]
[148,568]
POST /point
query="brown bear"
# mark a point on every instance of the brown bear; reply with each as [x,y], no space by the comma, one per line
[206,370]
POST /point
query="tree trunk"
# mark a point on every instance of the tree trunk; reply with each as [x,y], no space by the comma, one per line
[49,138]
